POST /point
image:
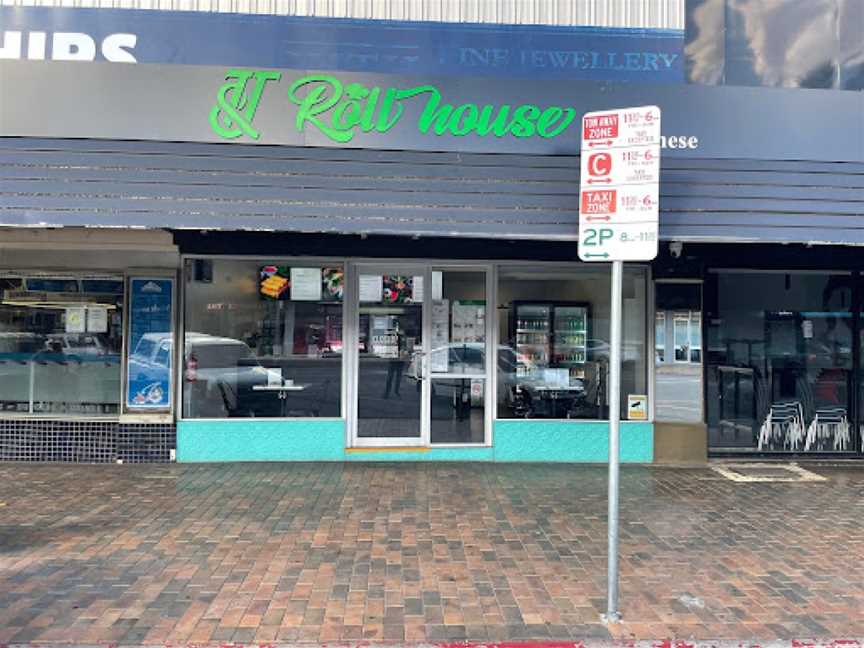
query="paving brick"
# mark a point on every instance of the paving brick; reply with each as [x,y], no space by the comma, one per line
[433,552]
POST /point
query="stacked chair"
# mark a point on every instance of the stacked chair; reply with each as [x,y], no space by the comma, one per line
[798,424]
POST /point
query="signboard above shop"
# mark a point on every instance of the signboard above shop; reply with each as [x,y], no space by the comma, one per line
[392,46]
[308,108]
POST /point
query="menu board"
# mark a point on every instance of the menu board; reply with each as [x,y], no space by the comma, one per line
[283,283]
[306,284]
[151,343]
[371,288]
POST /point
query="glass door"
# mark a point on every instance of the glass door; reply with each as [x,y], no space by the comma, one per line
[389,354]
[419,355]
[459,364]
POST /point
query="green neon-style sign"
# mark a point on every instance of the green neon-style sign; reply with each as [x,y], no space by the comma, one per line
[340,111]
[237,102]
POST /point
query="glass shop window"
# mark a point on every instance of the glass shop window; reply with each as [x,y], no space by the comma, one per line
[553,326]
[779,361]
[262,339]
[458,358]
[61,339]
[678,374]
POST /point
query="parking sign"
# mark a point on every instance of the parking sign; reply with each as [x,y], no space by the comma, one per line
[620,185]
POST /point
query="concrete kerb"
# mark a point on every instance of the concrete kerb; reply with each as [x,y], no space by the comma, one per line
[667,643]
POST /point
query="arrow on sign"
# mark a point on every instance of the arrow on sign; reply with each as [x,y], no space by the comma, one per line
[606,143]
[602,255]
[593,180]
[591,219]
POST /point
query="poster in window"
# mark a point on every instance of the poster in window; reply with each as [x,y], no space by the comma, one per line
[440,359]
[97,319]
[274,282]
[306,284]
[333,280]
[385,339]
[417,289]
[398,289]
[76,319]
[151,336]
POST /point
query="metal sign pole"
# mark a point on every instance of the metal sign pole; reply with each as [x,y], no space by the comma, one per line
[616,316]
[619,197]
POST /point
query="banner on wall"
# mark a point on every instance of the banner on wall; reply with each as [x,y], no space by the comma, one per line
[390,46]
[151,336]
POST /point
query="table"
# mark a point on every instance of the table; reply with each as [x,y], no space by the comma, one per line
[556,395]
[282,391]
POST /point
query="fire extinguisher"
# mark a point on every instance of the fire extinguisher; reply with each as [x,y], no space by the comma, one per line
[192,369]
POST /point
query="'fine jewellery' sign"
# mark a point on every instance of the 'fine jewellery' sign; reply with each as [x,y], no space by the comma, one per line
[340,110]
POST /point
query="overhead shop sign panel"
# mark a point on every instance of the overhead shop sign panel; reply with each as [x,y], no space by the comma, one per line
[308,108]
[392,46]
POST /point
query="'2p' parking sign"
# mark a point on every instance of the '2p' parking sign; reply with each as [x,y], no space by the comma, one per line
[620,185]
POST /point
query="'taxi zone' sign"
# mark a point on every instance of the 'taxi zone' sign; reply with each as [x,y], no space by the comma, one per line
[340,111]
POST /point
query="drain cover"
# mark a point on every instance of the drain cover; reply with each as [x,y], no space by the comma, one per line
[762,472]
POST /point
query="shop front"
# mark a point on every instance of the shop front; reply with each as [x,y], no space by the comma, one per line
[352,359]
[365,267]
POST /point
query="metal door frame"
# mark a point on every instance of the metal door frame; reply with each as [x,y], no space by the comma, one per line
[351,345]
[351,340]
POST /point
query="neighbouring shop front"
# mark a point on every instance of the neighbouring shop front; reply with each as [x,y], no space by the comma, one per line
[776,335]
[315,274]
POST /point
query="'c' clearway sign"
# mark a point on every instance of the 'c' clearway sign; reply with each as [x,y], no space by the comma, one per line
[619,185]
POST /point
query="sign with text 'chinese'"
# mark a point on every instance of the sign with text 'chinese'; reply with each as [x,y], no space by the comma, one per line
[620,185]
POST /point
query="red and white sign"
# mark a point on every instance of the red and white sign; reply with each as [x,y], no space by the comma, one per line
[630,127]
[620,181]
[621,204]
[632,165]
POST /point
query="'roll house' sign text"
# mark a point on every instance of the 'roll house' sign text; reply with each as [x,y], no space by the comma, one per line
[340,110]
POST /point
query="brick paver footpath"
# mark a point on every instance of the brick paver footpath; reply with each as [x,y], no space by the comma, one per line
[259,553]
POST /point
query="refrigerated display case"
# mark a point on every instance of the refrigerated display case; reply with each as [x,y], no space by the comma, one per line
[551,336]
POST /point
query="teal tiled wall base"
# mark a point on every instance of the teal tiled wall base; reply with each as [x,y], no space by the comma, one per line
[261,440]
[324,440]
[570,441]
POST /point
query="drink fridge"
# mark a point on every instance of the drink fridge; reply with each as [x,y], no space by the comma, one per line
[551,336]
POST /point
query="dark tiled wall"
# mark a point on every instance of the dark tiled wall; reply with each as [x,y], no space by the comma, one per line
[86,441]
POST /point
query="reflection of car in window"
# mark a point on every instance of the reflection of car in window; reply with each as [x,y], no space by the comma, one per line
[77,344]
[469,358]
[219,369]
[23,344]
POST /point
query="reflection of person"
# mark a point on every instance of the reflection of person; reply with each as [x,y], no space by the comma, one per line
[830,354]
[396,365]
